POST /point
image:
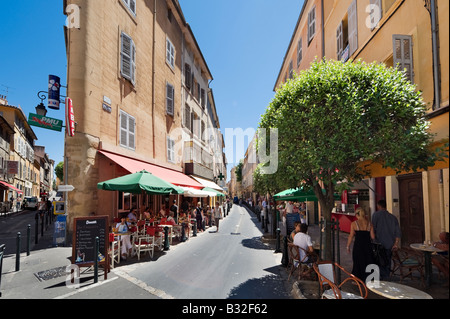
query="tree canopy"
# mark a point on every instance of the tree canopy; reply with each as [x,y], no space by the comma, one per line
[334,116]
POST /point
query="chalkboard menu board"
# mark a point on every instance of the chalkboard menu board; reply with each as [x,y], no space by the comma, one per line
[290,220]
[86,229]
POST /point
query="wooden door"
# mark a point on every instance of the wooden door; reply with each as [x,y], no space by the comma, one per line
[411,209]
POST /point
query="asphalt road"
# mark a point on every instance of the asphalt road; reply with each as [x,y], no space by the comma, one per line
[230,264]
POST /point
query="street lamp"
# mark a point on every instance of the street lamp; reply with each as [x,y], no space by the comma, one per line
[40,109]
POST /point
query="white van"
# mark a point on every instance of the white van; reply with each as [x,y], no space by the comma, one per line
[31,202]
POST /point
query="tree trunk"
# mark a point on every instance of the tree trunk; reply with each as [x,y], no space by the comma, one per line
[326,201]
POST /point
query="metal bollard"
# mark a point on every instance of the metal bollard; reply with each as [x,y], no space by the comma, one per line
[262,222]
[2,250]
[42,225]
[183,233]
[28,239]
[277,247]
[194,232]
[18,247]
[285,257]
[36,229]
[166,238]
[96,247]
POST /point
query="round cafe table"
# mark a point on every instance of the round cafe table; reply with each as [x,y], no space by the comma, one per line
[393,290]
[427,250]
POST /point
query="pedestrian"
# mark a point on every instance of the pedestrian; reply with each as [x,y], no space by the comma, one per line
[174,209]
[362,231]
[199,216]
[42,207]
[387,234]
[217,215]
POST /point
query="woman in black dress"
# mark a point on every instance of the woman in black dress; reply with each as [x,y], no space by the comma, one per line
[362,231]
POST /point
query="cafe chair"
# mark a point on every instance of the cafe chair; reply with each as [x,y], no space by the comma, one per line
[158,233]
[114,250]
[141,227]
[405,262]
[330,289]
[304,266]
[145,243]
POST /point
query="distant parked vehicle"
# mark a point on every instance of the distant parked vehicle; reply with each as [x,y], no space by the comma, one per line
[31,202]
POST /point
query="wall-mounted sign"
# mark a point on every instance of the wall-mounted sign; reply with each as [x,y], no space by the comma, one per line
[12,167]
[107,108]
[70,118]
[54,89]
[45,122]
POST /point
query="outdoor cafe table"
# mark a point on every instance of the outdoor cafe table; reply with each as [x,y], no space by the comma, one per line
[393,290]
[427,250]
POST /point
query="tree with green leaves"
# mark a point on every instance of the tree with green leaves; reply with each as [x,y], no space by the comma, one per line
[334,117]
[59,171]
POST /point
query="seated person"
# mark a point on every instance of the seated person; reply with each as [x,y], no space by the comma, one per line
[132,218]
[440,260]
[303,240]
[295,231]
[124,227]
[171,219]
[146,214]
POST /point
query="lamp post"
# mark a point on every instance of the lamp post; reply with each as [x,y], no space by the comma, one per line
[40,109]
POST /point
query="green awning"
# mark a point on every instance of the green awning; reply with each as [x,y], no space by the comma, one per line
[209,189]
[299,195]
[140,182]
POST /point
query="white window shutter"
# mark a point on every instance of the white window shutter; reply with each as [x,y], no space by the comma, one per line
[133,6]
[403,55]
[353,27]
[376,12]
[125,56]
[170,96]
[131,132]
[339,40]
[133,63]
[300,51]
[123,129]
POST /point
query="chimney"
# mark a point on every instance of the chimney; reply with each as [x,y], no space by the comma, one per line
[3,100]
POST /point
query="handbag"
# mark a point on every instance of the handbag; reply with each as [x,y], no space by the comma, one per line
[379,255]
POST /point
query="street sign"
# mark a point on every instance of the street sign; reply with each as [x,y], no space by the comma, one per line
[65,188]
[45,122]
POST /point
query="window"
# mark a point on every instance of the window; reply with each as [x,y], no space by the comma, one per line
[203,99]
[131,4]
[403,58]
[128,58]
[299,51]
[311,24]
[291,70]
[187,76]
[347,34]
[127,131]
[375,13]
[203,128]
[187,117]
[170,53]
[170,98]
[170,150]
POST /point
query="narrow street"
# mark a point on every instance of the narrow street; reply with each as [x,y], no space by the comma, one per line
[232,263]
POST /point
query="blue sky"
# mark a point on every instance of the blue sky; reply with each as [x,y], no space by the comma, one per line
[243,42]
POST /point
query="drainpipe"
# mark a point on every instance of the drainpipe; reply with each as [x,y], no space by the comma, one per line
[436,57]
[441,200]
[153,81]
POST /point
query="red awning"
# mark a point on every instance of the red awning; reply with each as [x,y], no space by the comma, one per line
[12,187]
[171,176]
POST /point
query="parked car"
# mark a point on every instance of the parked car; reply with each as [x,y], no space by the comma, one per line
[31,202]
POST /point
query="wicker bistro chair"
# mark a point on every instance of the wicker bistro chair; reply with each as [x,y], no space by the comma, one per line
[304,266]
[405,262]
[329,289]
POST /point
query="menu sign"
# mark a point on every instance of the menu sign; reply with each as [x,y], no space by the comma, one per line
[86,229]
[290,220]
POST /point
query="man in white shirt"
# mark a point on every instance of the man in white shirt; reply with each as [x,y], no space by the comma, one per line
[303,240]
[217,215]
[289,207]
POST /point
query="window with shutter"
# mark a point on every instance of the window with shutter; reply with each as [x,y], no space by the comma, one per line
[187,117]
[187,76]
[170,150]
[127,131]
[131,4]
[353,27]
[170,53]
[291,70]
[403,58]
[128,58]
[299,51]
[203,98]
[170,96]
[311,24]
[340,40]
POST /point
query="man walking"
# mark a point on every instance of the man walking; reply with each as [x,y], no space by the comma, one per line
[217,215]
[387,233]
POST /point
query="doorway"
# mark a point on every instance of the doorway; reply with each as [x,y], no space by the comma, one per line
[411,209]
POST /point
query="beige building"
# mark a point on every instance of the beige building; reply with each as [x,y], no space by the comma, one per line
[413,35]
[127,79]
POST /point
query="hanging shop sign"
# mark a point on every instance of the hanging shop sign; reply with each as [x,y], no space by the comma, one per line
[70,118]
[45,122]
[54,89]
